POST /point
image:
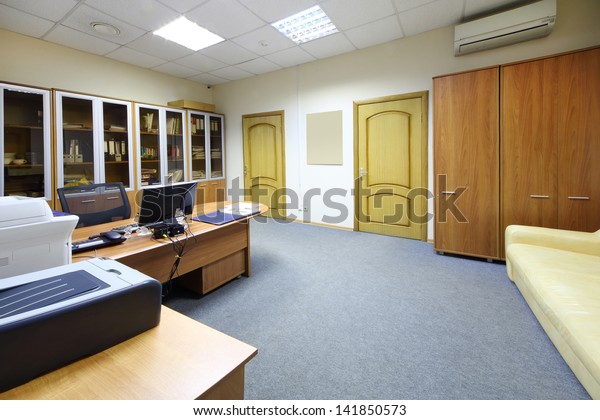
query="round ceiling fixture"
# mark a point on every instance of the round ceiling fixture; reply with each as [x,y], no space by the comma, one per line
[105,28]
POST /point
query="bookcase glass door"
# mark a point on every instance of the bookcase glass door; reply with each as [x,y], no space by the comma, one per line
[198,146]
[77,146]
[149,144]
[25,142]
[175,147]
[116,143]
[216,146]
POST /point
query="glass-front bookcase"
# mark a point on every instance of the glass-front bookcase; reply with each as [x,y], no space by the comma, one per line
[93,140]
[207,146]
[25,141]
[161,138]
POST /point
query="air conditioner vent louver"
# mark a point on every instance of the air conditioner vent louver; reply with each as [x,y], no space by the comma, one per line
[517,25]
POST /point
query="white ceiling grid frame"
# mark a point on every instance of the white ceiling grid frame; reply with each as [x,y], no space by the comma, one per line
[252,46]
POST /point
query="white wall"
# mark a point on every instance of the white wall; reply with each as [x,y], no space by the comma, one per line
[30,61]
[402,66]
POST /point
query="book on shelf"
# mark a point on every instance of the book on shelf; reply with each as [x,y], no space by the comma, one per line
[72,125]
[197,124]
[114,148]
[173,125]
[115,127]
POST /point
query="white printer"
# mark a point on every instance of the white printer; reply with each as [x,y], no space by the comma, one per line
[31,237]
[52,317]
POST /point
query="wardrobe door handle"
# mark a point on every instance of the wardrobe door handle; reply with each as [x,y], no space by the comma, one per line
[578,198]
[538,196]
[449,192]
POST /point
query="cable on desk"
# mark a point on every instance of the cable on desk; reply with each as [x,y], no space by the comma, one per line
[179,248]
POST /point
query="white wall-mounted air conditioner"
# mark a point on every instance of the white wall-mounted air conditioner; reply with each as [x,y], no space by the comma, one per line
[534,20]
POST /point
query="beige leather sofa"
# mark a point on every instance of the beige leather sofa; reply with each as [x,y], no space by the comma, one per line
[558,274]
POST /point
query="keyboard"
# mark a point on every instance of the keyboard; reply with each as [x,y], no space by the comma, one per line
[90,244]
[133,227]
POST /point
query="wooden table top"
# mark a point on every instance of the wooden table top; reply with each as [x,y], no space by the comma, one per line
[179,359]
[137,243]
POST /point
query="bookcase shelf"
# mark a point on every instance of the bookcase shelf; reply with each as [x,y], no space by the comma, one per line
[94,133]
[25,137]
[162,145]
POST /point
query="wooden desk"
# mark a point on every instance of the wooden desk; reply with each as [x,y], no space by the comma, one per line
[178,359]
[213,254]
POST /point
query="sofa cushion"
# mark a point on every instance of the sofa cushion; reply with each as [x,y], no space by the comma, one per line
[566,287]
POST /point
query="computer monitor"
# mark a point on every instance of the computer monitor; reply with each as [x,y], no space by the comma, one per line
[31,237]
[159,204]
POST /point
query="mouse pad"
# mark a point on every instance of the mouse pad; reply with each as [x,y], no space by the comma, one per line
[220,217]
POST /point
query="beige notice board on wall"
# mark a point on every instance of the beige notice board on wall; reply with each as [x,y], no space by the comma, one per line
[324,138]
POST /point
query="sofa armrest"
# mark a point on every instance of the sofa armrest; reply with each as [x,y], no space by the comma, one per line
[568,240]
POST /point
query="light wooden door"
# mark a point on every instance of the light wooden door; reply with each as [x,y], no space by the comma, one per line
[264,162]
[391,166]
[466,163]
[579,136]
[529,144]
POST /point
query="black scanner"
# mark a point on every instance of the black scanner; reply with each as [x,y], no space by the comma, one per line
[56,316]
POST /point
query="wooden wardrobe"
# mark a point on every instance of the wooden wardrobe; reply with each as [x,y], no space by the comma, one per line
[548,151]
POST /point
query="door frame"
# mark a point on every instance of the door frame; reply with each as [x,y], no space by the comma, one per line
[424,96]
[280,113]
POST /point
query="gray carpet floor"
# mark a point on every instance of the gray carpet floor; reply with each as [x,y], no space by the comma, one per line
[348,315]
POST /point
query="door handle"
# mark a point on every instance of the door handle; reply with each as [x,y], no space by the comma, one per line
[362,172]
[449,192]
[578,198]
[538,196]
[245,170]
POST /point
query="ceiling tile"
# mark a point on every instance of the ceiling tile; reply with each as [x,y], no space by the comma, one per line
[229,53]
[404,5]
[346,14]
[328,46]
[226,18]
[265,40]
[159,47]
[273,10]
[201,62]
[231,73]
[290,57]
[83,16]
[23,23]
[433,15]
[374,33]
[134,57]
[208,79]
[258,66]
[183,6]
[53,10]
[78,40]
[146,14]
[176,70]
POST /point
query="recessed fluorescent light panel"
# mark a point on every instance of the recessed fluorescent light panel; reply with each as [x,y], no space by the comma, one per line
[306,26]
[187,33]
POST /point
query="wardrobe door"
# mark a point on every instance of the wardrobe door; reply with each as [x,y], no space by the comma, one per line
[466,163]
[579,141]
[529,145]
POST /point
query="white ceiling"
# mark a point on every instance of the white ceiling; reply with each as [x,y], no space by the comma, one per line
[252,46]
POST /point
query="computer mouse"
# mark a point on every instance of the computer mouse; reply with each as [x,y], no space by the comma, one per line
[111,235]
